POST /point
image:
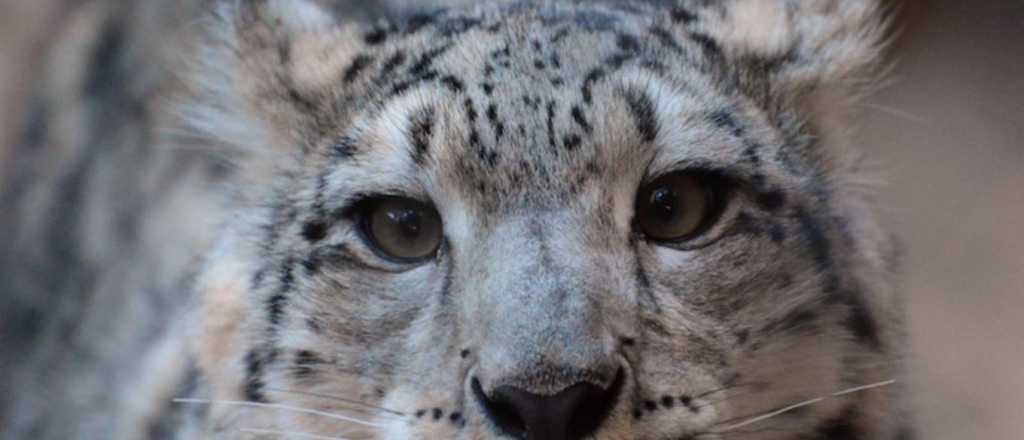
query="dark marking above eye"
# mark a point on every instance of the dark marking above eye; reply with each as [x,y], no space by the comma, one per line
[421,129]
[359,63]
[642,110]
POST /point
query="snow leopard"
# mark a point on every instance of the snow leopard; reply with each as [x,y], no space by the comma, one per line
[521,219]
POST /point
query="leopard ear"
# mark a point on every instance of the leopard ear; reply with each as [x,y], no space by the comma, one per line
[801,44]
[259,78]
[808,61]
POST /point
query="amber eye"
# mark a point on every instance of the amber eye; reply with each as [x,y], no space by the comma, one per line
[402,229]
[677,207]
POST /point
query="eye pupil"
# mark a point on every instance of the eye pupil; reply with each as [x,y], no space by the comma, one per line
[664,203]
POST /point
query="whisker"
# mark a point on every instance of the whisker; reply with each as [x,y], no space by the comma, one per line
[280,407]
[290,434]
[342,400]
[786,409]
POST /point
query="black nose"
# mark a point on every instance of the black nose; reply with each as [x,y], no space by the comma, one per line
[573,413]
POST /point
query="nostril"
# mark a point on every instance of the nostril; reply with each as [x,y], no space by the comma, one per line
[501,412]
[573,413]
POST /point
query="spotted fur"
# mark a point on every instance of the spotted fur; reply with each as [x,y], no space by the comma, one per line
[530,125]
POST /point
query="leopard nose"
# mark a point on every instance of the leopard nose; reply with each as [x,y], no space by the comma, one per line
[571,414]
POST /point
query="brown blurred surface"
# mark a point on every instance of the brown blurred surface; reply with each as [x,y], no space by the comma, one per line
[947,136]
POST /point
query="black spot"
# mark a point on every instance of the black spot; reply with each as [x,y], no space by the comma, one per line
[710,47]
[556,61]
[275,308]
[420,413]
[551,124]
[392,63]
[860,322]
[742,336]
[421,131]
[638,414]
[376,36]
[628,342]
[650,405]
[305,364]
[627,43]
[572,142]
[667,401]
[557,81]
[682,15]
[488,88]
[470,110]
[314,231]
[686,400]
[588,83]
[452,83]
[642,110]
[253,388]
[358,64]
[437,413]
[464,353]
[539,64]
[426,60]
[581,119]
[455,417]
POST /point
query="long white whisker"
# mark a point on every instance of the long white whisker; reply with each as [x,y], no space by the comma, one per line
[795,406]
[280,407]
[290,434]
[364,405]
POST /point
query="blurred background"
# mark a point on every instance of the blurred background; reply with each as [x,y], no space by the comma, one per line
[948,137]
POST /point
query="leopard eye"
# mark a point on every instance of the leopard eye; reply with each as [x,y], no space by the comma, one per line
[402,229]
[678,206]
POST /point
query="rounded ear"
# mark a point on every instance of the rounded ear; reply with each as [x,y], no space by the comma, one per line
[805,61]
[259,79]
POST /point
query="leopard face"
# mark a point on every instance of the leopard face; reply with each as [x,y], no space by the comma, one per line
[545,221]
